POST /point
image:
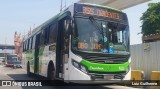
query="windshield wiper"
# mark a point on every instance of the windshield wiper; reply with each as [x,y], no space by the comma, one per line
[100,30]
[94,23]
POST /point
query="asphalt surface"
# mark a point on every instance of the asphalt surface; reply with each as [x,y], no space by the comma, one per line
[8,73]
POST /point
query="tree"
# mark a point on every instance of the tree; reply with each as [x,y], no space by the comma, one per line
[151,19]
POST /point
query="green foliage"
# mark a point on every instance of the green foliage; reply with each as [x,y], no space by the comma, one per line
[151,19]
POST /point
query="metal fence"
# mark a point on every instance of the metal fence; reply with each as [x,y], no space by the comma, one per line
[146,57]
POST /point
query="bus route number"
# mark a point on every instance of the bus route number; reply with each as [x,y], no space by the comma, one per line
[86,46]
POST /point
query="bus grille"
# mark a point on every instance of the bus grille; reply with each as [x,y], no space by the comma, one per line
[118,76]
[107,60]
[102,76]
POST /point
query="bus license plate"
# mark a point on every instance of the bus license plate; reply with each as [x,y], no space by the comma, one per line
[108,77]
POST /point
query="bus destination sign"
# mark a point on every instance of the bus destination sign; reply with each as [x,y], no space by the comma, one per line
[97,11]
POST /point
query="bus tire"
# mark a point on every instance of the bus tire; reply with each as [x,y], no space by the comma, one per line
[51,72]
[28,70]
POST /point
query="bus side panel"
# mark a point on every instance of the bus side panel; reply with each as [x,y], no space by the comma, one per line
[24,61]
[43,56]
[30,58]
[48,55]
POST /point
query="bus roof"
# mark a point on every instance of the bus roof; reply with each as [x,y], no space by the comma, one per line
[56,17]
[39,28]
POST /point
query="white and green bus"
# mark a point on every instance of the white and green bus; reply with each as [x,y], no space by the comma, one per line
[83,42]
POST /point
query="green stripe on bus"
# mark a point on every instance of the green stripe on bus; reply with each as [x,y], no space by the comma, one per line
[97,67]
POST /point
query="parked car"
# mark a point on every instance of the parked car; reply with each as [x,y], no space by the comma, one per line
[2,60]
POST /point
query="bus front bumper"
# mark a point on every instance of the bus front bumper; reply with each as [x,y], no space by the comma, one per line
[77,76]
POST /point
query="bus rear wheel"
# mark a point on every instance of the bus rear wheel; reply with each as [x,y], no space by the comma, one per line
[28,70]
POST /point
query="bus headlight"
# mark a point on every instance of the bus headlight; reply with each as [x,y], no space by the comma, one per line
[75,64]
[79,66]
[83,69]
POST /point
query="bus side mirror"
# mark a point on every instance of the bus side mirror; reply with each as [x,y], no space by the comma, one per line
[68,26]
[68,32]
[69,29]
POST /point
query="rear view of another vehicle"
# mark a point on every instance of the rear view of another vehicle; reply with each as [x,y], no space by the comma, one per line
[10,59]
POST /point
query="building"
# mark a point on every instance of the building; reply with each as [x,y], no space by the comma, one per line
[117,4]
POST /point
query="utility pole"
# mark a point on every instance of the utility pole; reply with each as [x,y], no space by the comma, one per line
[61,5]
[5,51]
[65,4]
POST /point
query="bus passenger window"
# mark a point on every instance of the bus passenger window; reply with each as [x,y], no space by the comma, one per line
[33,43]
[28,44]
[46,35]
[53,34]
[24,46]
[42,39]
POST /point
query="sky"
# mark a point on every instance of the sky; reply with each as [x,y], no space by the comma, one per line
[21,15]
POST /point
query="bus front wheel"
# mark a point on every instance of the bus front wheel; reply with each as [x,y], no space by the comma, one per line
[51,73]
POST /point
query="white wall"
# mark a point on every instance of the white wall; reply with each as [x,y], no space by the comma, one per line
[146,57]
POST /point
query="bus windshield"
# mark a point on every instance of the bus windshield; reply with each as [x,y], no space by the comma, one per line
[100,36]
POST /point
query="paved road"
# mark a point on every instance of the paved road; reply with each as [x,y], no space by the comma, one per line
[7,73]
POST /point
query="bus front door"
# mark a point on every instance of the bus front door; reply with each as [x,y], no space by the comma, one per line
[60,51]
